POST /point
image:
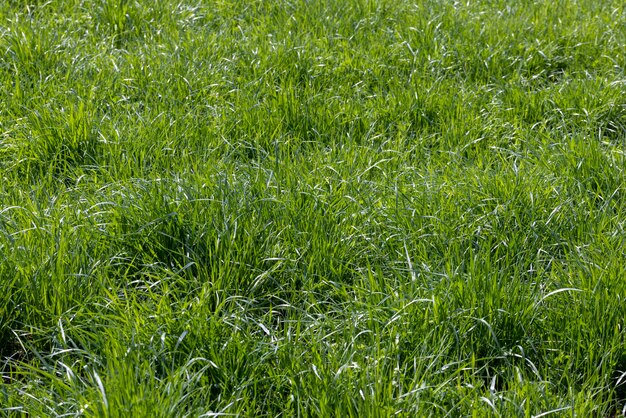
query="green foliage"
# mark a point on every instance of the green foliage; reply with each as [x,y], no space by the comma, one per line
[342,208]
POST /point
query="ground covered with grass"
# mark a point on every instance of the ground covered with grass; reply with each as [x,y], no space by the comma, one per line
[302,208]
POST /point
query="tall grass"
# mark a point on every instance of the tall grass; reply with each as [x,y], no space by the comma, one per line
[294,208]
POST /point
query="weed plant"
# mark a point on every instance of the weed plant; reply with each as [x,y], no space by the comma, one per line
[312,208]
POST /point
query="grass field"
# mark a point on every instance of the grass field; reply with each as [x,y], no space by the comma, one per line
[362,208]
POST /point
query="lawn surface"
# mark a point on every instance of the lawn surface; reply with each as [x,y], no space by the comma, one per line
[312,208]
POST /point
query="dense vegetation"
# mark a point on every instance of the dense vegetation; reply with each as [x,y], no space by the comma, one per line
[312,208]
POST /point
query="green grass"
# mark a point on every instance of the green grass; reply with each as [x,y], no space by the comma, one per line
[301,208]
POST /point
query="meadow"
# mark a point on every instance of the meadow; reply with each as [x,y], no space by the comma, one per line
[297,208]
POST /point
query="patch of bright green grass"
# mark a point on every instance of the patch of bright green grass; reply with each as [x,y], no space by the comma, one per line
[344,208]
